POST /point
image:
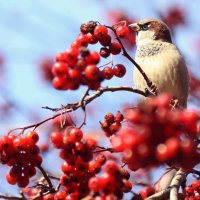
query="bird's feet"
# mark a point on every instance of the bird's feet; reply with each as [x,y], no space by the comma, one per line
[152,90]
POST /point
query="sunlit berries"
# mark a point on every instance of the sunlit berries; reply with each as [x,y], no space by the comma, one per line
[100,31]
[112,123]
[157,135]
[122,31]
[78,65]
[22,155]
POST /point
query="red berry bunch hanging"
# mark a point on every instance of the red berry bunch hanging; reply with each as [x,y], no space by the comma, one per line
[158,135]
[112,123]
[22,155]
[114,181]
[78,166]
[119,71]
[192,192]
[78,65]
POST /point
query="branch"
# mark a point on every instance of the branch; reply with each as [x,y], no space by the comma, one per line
[172,190]
[125,53]
[46,178]
[74,106]
[11,197]
[176,183]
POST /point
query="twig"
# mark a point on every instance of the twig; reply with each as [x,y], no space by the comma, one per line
[74,106]
[102,149]
[46,178]
[125,53]
[194,171]
[12,197]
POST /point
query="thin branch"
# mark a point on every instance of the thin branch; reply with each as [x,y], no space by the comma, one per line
[103,149]
[46,177]
[11,197]
[125,53]
[194,171]
[74,106]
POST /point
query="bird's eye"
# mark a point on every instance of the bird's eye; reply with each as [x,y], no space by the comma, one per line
[144,27]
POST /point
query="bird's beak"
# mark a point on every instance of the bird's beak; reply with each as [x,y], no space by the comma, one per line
[134,27]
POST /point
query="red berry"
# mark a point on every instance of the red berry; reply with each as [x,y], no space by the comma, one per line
[48,197]
[105,41]
[100,31]
[74,75]
[93,58]
[94,184]
[57,139]
[109,117]
[147,192]
[82,40]
[108,73]
[71,56]
[101,159]
[76,134]
[33,137]
[94,167]
[115,48]
[111,167]
[119,70]
[122,31]
[23,181]
[119,117]
[65,180]
[60,69]
[114,127]
[59,82]
[61,57]
[104,52]
[61,195]
[81,65]
[92,72]
[11,179]
[127,186]
[92,38]
[66,168]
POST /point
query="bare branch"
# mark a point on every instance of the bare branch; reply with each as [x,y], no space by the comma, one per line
[74,106]
[46,178]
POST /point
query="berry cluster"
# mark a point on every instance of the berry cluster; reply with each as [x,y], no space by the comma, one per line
[60,195]
[22,155]
[112,123]
[78,65]
[156,135]
[78,166]
[113,182]
[192,192]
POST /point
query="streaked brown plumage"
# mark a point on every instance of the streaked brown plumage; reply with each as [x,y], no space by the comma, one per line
[160,59]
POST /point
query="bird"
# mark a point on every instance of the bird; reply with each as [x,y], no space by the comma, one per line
[165,66]
[160,59]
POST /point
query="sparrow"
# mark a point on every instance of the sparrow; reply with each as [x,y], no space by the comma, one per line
[160,59]
[164,65]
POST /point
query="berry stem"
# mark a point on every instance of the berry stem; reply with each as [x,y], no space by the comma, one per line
[125,53]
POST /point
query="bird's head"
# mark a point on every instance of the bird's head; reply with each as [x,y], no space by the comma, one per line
[148,30]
